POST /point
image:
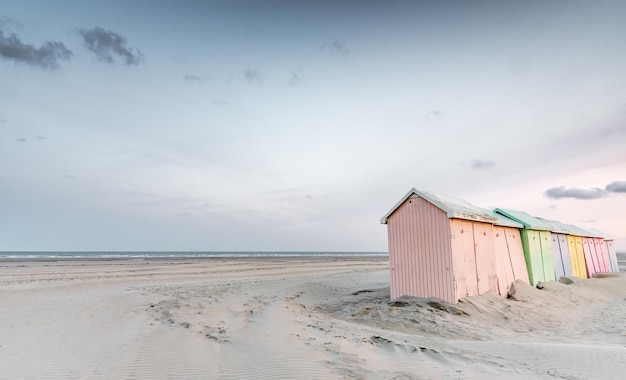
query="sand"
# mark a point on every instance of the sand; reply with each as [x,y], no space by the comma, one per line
[295,318]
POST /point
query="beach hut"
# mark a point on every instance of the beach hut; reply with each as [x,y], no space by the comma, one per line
[575,245]
[537,243]
[595,245]
[560,249]
[445,247]
[567,248]
[593,249]
[509,252]
[609,248]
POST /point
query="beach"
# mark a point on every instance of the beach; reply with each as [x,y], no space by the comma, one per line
[288,318]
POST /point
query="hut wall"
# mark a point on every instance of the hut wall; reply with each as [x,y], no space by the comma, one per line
[577,256]
[532,254]
[509,258]
[546,255]
[591,259]
[561,256]
[473,253]
[463,258]
[485,258]
[420,259]
[603,256]
[610,250]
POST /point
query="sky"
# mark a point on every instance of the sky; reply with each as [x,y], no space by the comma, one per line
[295,126]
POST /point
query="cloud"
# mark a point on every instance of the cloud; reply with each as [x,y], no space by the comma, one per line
[295,77]
[47,56]
[436,114]
[21,139]
[217,102]
[593,193]
[616,187]
[192,78]
[482,164]
[108,45]
[336,47]
[562,192]
[253,76]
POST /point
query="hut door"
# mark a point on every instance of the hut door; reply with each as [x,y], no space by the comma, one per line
[485,258]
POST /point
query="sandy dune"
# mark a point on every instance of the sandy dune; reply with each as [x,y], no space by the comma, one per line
[294,318]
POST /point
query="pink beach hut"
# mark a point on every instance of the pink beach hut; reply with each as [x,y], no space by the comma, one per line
[609,249]
[445,247]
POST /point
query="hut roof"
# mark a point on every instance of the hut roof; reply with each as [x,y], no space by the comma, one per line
[574,230]
[529,222]
[598,233]
[559,228]
[454,208]
[504,221]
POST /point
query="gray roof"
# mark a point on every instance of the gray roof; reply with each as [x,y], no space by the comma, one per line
[599,233]
[455,208]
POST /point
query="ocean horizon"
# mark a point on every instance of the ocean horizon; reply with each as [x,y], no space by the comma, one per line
[136,255]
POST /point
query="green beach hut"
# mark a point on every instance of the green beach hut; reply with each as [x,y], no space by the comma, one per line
[537,243]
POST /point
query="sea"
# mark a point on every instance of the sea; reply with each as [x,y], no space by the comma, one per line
[139,255]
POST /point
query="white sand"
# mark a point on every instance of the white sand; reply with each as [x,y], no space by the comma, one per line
[309,319]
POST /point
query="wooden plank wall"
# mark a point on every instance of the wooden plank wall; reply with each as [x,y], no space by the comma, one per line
[602,254]
[547,261]
[463,258]
[485,258]
[610,250]
[577,256]
[591,260]
[509,256]
[561,255]
[532,253]
[420,258]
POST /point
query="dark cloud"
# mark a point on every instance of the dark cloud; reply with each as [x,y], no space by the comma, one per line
[47,56]
[108,46]
[253,76]
[563,192]
[616,187]
[593,193]
[192,78]
[336,47]
[482,164]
